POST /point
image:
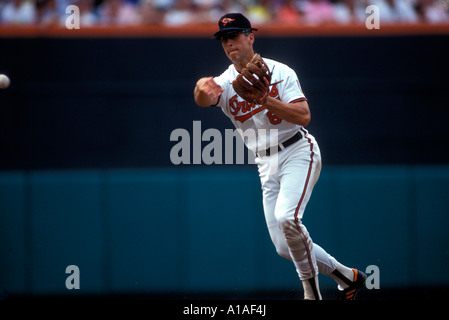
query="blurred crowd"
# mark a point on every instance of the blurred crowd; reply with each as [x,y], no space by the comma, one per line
[183,12]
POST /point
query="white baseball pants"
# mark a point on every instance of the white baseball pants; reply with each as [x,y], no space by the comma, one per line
[287,180]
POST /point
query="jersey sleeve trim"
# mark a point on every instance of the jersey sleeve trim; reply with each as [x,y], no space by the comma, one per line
[216,103]
[298,100]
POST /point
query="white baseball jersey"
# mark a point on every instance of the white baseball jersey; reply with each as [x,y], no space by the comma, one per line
[248,116]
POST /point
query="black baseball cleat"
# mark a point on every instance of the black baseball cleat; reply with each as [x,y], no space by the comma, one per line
[350,292]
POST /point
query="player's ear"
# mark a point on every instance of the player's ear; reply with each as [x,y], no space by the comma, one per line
[251,38]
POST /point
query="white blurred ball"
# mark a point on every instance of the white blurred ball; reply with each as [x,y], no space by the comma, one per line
[4,81]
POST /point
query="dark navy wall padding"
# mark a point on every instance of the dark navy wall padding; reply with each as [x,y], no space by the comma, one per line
[113,103]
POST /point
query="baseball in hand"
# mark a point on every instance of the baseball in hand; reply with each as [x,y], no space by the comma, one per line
[4,81]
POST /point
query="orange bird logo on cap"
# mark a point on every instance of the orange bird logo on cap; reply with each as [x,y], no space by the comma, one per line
[226,20]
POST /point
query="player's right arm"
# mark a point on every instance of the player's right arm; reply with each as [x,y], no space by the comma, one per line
[207,92]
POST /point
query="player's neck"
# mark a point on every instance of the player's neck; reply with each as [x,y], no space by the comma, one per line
[240,64]
[238,67]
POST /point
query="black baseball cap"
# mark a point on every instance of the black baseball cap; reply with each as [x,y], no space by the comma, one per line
[231,23]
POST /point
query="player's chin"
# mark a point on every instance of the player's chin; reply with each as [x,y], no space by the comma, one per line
[233,55]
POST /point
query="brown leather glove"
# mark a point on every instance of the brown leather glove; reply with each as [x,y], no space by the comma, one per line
[253,83]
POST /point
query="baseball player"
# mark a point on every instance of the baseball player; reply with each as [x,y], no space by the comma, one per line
[273,99]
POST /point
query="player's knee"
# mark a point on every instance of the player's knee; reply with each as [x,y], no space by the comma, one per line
[291,227]
[281,218]
[285,222]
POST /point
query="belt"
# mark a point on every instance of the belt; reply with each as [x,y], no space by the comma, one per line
[282,145]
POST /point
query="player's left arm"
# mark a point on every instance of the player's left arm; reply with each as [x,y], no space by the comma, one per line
[294,112]
[291,105]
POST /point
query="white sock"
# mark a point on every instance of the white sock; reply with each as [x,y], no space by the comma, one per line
[344,271]
[311,289]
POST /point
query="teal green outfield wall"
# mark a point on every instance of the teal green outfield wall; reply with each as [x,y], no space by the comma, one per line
[201,229]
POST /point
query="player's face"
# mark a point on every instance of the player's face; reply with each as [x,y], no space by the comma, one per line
[238,48]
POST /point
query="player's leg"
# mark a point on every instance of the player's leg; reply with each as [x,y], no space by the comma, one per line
[301,166]
[325,263]
[347,278]
[328,265]
[270,190]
